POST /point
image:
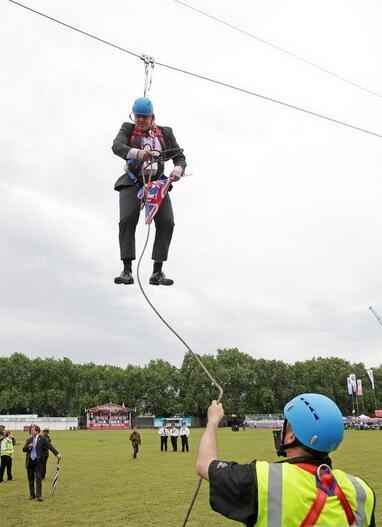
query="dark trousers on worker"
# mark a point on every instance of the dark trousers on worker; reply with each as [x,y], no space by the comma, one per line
[163,443]
[44,461]
[129,209]
[135,449]
[184,443]
[174,442]
[34,470]
[6,463]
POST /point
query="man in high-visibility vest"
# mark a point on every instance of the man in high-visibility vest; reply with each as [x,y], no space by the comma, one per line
[301,491]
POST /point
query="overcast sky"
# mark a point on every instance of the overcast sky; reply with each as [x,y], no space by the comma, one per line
[277,244]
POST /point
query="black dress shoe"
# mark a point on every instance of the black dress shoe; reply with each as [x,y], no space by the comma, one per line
[32,497]
[159,278]
[40,499]
[124,278]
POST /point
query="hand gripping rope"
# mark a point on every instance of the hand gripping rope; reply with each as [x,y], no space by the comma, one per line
[163,156]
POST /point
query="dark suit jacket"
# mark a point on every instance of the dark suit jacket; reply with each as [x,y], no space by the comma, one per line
[42,444]
[121,148]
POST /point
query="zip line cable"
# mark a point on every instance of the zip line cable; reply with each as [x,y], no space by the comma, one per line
[208,79]
[279,48]
[75,29]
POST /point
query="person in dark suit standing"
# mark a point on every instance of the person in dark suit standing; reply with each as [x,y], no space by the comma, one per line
[45,453]
[34,448]
[138,143]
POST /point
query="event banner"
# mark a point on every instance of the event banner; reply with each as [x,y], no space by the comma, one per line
[350,387]
[159,421]
[371,377]
[359,387]
[353,381]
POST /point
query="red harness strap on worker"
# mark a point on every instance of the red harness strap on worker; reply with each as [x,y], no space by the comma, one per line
[326,486]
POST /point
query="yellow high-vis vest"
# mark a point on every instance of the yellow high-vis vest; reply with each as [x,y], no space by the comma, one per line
[7,447]
[286,493]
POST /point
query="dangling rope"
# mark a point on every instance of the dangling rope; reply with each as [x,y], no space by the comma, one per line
[163,156]
[149,68]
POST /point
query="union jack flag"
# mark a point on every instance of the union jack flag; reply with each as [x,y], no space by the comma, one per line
[152,195]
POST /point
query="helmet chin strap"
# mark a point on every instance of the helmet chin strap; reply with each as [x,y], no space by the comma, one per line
[281,451]
[281,447]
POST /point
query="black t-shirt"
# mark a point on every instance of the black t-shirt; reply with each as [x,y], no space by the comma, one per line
[233,488]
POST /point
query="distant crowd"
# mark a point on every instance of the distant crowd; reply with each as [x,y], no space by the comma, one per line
[363,425]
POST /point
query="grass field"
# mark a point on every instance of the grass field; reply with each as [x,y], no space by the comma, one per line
[101,485]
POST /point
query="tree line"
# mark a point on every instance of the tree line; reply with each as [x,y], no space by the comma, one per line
[51,387]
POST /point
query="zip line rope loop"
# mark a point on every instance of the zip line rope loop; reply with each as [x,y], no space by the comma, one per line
[149,69]
[195,355]
[163,156]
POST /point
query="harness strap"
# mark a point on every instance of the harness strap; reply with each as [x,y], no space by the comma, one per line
[326,486]
[157,132]
[345,504]
[315,510]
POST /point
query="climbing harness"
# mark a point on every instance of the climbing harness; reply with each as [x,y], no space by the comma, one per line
[327,486]
[149,68]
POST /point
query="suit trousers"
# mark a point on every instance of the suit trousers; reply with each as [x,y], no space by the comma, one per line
[163,443]
[44,461]
[129,210]
[34,470]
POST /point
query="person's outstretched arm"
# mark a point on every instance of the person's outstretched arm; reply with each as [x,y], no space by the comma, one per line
[207,451]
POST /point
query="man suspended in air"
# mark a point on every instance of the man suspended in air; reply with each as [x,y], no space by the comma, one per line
[138,143]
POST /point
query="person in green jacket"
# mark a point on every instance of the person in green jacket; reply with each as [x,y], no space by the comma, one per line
[303,490]
[7,451]
[135,439]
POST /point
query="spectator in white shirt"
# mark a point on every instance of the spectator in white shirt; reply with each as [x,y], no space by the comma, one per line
[184,433]
[163,433]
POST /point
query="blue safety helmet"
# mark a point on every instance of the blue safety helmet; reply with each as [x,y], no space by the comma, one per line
[143,106]
[316,421]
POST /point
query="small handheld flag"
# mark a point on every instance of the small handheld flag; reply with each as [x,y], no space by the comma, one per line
[152,195]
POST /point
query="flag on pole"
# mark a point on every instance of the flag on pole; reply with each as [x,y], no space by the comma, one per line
[371,377]
[359,387]
[350,387]
[353,381]
[55,477]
